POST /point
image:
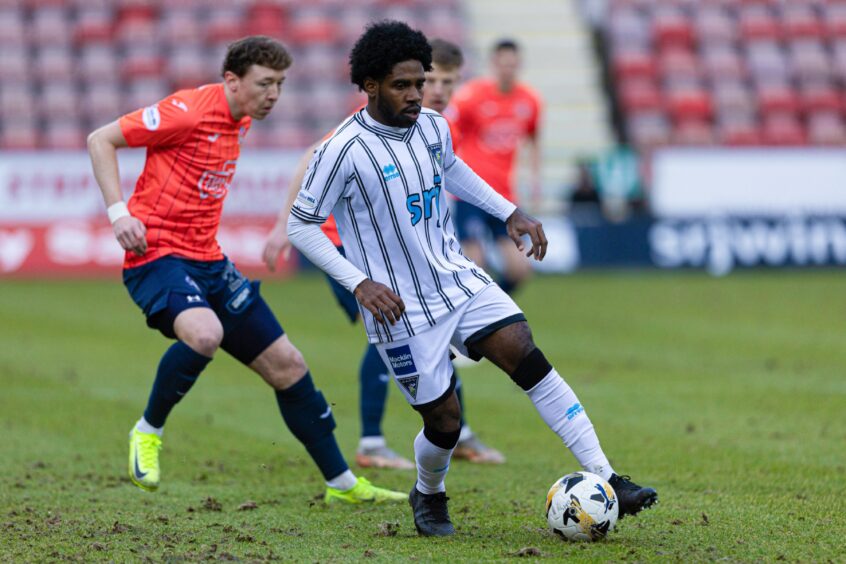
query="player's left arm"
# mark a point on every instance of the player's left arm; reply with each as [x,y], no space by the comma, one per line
[533,147]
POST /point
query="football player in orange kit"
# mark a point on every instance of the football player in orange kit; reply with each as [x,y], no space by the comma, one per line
[373,450]
[495,116]
[177,274]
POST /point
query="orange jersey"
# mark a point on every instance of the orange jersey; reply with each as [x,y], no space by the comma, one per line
[193,146]
[492,126]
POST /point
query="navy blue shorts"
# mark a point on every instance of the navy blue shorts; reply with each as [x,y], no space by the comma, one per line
[345,298]
[169,285]
[473,224]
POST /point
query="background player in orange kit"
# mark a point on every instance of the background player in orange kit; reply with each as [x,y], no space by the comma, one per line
[177,274]
[495,116]
[373,450]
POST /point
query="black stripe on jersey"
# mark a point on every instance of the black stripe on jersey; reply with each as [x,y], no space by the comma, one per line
[432,270]
[379,132]
[395,222]
[323,149]
[357,233]
[307,217]
[382,247]
[336,166]
[481,277]
[435,169]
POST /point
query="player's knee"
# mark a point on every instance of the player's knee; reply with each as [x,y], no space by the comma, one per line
[532,369]
[286,368]
[205,339]
[444,417]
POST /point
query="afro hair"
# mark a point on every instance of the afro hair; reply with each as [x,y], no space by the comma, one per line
[383,45]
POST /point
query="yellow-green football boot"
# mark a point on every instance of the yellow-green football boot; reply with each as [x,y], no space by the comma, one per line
[363,492]
[144,459]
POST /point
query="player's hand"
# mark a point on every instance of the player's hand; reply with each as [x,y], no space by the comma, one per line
[131,234]
[378,299]
[277,244]
[520,224]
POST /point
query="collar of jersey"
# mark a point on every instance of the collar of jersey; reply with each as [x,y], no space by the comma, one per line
[398,133]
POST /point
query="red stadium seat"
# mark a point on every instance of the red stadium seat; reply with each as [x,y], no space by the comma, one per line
[733,97]
[224,25]
[93,25]
[715,26]
[693,132]
[800,21]
[690,104]
[826,128]
[671,28]
[98,62]
[809,60]
[783,129]
[16,101]
[723,62]
[50,26]
[141,61]
[64,134]
[12,28]
[58,100]
[101,103]
[54,63]
[739,132]
[777,98]
[678,62]
[638,94]
[758,22]
[648,130]
[820,98]
[14,63]
[634,63]
[834,18]
[18,134]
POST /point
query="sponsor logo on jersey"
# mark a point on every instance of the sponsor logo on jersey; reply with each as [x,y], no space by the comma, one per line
[213,138]
[437,153]
[401,360]
[574,410]
[151,117]
[179,104]
[215,183]
[390,172]
[410,385]
[194,299]
[306,200]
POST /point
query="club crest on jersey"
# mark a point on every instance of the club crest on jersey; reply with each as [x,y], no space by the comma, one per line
[410,384]
[215,183]
[437,153]
[151,117]
[390,172]
[401,360]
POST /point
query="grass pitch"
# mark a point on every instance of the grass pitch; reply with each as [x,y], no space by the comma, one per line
[727,395]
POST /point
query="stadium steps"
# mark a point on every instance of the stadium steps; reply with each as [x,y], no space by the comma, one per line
[559,62]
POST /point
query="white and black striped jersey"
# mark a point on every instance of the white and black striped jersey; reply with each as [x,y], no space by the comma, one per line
[385,187]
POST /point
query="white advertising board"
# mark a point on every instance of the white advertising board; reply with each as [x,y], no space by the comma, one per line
[760,182]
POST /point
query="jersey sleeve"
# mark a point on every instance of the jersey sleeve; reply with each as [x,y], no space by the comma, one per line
[448,149]
[169,122]
[325,181]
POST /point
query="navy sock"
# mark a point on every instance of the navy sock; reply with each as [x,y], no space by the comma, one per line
[373,380]
[459,392]
[309,418]
[178,370]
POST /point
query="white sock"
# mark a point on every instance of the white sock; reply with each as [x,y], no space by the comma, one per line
[344,481]
[369,443]
[145,427]
[432,465]
[560,409]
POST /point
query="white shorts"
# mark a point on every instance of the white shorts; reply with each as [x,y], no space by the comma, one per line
[421,365]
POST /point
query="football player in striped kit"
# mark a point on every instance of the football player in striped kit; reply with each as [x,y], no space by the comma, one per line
[383,175]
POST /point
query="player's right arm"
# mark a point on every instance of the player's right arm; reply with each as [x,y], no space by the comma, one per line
[324,184]
[102,147]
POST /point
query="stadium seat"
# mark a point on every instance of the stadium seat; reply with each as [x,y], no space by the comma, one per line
[821,97]
[64,134]
[50,26]
[224,25]
[766,61]
[12,28]
[634,63]
[758,22]
[783,129]
[93,25]
[739,131]
[671,28]
[834,18]
[722,62]
[639,94]
[141,60]
[143,92]
[648,130]
[19,133]
[826,128]
[186,67]
[14,63]
[689,104]
[777,98]
[800,21]
[715,26]
[54,63]
[16,100]
[676,62]
[101,103]
[98,61]
[58,100]
[809,60]
[181,27]
[733,97]
[693,132]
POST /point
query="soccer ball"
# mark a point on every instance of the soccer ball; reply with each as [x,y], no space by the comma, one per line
[581,507]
